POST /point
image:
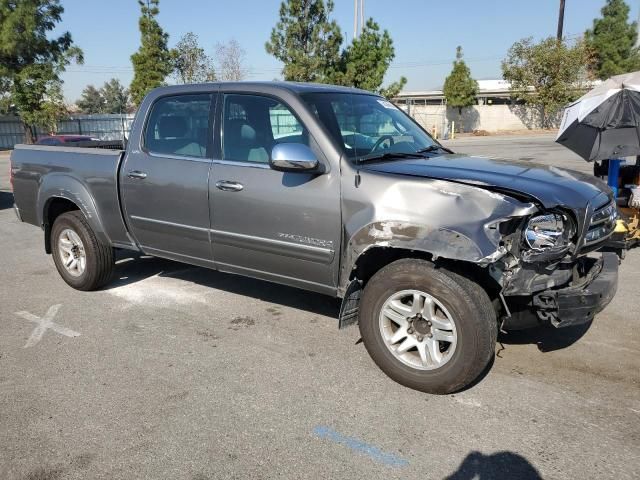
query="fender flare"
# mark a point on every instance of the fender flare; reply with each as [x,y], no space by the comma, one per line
[67,187]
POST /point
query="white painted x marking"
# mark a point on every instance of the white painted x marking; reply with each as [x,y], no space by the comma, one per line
[45,323]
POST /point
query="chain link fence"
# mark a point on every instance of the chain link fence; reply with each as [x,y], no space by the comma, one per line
[102,127]
[434,123]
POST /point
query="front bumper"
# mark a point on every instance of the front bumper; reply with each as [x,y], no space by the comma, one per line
[580,302]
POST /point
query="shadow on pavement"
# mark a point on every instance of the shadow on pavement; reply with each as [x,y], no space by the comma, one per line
[133,268]
[478,466]
[547,338]
[6,200]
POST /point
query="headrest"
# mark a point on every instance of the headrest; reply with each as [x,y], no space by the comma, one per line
[240,131]
[172,127]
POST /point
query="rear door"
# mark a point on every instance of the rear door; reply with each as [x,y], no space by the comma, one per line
[279,226]
[164,184]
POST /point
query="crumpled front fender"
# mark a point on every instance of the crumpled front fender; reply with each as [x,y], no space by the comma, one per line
[447,220]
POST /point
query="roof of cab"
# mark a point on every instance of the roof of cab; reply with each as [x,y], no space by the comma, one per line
[296,87]
[309,87]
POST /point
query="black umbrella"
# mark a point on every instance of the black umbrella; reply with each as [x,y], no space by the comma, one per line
[604,123]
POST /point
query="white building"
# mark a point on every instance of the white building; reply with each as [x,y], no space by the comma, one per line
[490,92]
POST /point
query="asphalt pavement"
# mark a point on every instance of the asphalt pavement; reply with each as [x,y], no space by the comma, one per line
[177,372]
[537,148]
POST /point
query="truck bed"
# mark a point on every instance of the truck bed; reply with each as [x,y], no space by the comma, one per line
[88,176]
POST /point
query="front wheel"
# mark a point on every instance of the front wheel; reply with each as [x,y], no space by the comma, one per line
[81,259]
[428,329]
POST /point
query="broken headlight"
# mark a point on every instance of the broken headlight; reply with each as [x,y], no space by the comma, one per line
[548,231]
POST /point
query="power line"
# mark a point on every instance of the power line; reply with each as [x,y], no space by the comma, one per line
[267,70]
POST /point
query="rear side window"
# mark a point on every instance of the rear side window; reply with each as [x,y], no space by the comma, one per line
[179,125]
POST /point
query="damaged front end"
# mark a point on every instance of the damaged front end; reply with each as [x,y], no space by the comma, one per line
[439,220]
[552,275]
[538,260]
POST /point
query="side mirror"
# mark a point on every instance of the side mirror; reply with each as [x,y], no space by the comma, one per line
[293,157]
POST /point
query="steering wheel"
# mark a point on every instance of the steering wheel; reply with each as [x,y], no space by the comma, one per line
[381,140]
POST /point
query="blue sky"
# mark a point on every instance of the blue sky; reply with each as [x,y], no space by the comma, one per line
[425,32]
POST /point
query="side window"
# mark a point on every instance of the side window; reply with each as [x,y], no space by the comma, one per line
[285,126]
[252,125]
[179,125]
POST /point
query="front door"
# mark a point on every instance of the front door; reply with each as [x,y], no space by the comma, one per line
[278,226]
[165,183]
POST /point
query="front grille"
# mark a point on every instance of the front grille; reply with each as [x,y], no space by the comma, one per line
[601,225]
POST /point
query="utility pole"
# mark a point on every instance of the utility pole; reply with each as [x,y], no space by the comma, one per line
[638,29]
[560,20]
[358,17]
[355,18]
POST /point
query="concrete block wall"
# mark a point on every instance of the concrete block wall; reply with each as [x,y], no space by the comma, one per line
[491,118]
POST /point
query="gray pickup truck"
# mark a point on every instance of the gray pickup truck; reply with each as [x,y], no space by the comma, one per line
[334,190]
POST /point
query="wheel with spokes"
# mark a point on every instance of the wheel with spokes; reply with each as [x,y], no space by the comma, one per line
[82,261]
[427,328]
[72,253]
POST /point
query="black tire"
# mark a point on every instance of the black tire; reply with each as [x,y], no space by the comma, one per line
[469,306]
[99,257]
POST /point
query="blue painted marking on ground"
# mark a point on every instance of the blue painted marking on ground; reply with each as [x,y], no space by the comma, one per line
[359,446]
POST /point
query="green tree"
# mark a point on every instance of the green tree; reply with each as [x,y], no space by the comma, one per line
[91,100]
[545,75]
[52,109]
[366,60]
[612,40]
[152,62]
[115,97]
[306,40]
[190,63]
[460,89]
[31,62]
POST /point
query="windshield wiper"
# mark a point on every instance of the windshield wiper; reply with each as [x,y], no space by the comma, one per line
[389,156]
[433,148]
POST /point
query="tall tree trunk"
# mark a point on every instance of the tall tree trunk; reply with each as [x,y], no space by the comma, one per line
[29,133]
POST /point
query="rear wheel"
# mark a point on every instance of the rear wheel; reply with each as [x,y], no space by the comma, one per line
[428,329]
[82,261]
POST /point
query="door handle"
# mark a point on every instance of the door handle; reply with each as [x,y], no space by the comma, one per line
[228,186]
[137,174]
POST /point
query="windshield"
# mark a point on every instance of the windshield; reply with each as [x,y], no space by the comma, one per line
[368,126]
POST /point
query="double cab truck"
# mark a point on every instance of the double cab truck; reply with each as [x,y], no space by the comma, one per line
[337,191]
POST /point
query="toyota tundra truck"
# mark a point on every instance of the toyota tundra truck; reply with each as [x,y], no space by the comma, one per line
[337,191]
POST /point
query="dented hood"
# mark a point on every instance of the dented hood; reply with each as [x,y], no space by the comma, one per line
[550,186]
